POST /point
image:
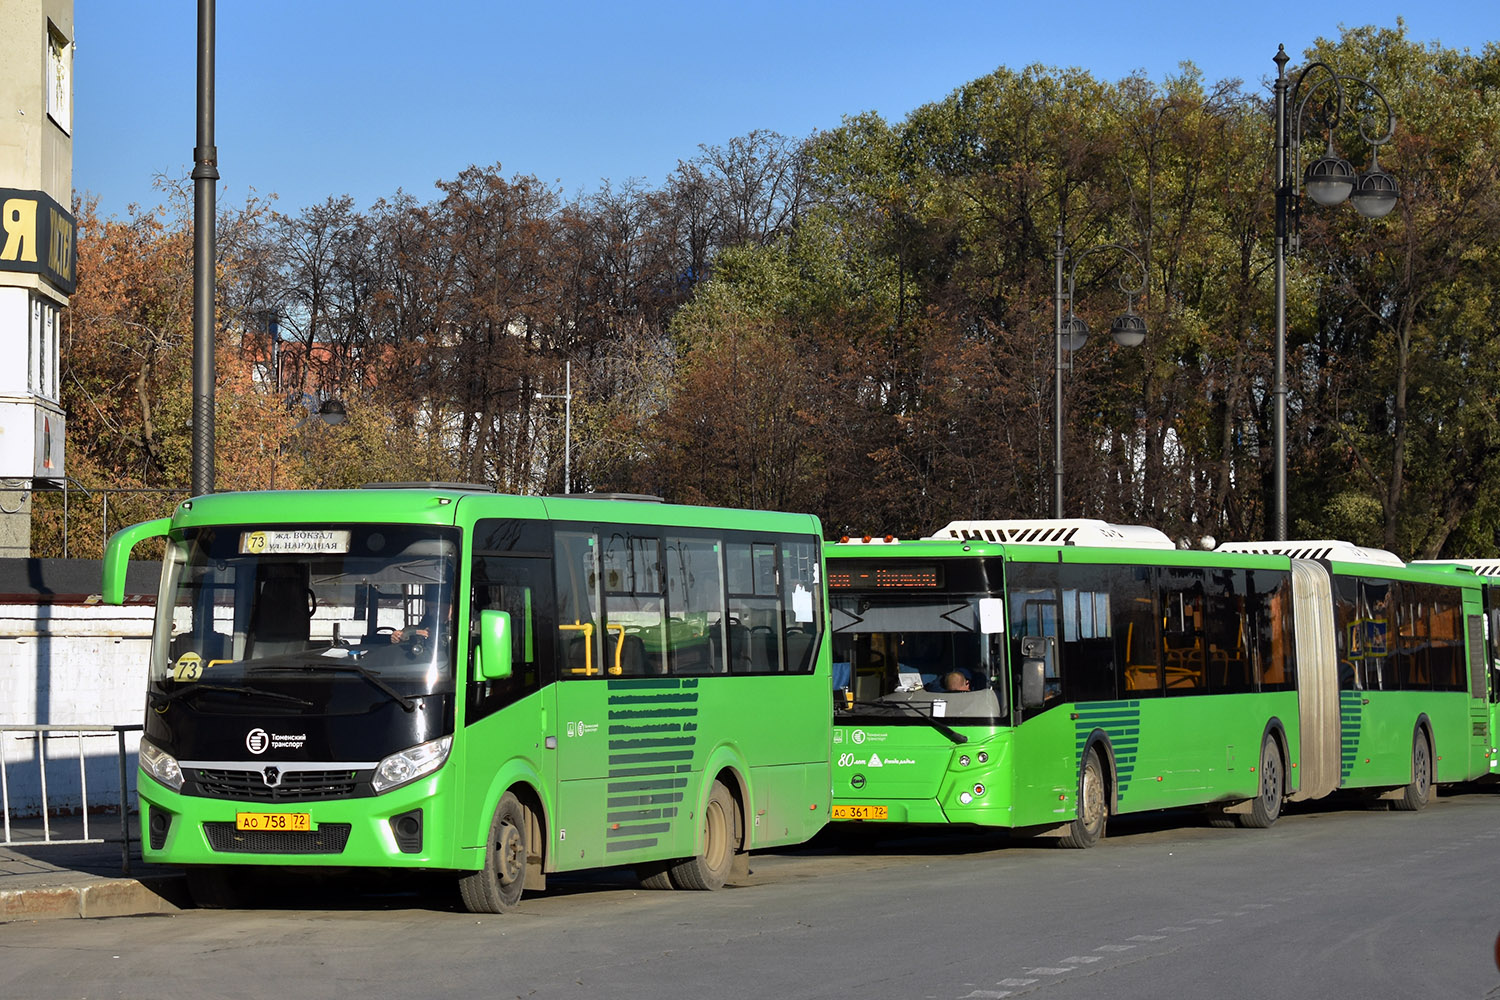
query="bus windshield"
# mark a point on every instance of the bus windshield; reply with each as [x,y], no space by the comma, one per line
[916,656]
[306,619]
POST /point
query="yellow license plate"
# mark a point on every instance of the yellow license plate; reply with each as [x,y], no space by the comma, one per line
[859,812]
[277,822]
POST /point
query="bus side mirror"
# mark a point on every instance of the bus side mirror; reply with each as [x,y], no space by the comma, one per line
[494,646]
[1034,650]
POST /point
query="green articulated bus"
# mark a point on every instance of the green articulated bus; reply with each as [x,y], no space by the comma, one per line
[434,677]
[1043,675]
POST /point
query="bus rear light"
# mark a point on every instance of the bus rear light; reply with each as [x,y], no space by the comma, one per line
[978,789]
[983,757]
[965,798]
[963,760]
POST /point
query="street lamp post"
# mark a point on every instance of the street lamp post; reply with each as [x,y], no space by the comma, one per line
[1128,330]
[567,398]
[1329,181]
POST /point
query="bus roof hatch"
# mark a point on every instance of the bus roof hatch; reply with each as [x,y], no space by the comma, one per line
[1066,531]
[1324,549]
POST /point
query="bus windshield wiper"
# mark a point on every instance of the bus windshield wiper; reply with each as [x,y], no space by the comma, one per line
[943,728]
[350,668]
[196,687]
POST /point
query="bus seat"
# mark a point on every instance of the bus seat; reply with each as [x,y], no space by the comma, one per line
[739,650]
[799,651]
[281,619]
[632,653]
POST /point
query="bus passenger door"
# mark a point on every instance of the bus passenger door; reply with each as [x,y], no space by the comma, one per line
[508,721]
[1478,684]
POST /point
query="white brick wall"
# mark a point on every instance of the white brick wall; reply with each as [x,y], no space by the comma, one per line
[66,664]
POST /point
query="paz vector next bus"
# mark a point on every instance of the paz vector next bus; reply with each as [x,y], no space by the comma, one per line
[439,678]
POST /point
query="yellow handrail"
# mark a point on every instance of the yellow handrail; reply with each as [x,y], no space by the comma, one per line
[619,646]
[587,628]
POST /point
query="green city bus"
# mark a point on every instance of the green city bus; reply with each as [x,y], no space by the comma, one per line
[1044,675]
[437,678]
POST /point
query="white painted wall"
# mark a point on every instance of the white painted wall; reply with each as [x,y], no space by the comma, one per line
[63,664]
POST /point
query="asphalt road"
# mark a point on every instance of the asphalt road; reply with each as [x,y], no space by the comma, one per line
[1332,902]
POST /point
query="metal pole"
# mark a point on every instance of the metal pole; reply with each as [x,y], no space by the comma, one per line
[205,176]
[1057,397]
[568,427]
[124,811]
[1278,385]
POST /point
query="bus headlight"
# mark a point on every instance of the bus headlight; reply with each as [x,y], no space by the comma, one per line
[160,765]
[411,764]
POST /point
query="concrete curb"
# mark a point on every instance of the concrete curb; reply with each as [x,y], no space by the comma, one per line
[100,897]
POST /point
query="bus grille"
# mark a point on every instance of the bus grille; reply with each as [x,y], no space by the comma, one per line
[293,785]
[329,838]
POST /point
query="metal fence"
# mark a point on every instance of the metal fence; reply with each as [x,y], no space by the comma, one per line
[103,494]
[41,735]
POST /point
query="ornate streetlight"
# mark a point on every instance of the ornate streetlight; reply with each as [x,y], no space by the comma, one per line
[1128,330]
[1329,180]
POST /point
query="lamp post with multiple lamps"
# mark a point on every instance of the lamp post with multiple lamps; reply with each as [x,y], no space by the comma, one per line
[1128,330]
[1328,180]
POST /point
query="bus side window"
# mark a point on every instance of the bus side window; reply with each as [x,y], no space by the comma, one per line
[801,600]
[636,641]
[521,588]
[1135,632]
[1269,624]
[1088,648]
[754,639]
[575,557]
[1182,630]
[695,606]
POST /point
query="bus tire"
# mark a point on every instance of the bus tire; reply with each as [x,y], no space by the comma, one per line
[1093,805]
[655,875]
[1265,808]
[710,869]
[1418,793]
[496,888]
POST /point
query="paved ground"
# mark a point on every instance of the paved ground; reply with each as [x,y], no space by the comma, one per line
[40,881]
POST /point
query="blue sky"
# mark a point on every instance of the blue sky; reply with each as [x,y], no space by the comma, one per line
[363,97]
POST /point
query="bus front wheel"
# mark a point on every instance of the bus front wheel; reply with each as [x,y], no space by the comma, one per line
[496,888]
[710,869]
[1417,794]
[1093,806]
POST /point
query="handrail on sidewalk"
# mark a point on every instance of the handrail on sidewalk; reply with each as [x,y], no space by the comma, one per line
[41,733]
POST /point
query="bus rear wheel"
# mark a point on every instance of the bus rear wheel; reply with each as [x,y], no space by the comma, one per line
[1093,807]
[496,888]
[710,869]
[1265,808]
[655,875]
[1417,794]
